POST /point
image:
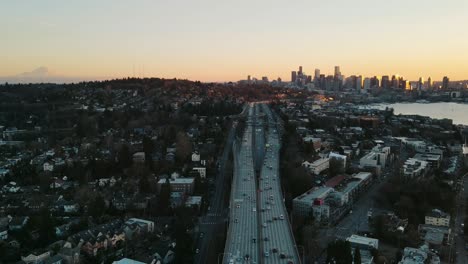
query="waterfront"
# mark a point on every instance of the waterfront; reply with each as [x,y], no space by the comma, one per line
[457,112]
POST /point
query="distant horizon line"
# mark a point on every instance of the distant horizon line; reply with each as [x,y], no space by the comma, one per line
[72,80]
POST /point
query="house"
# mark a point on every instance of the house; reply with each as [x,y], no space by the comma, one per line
[146,224]
[139,157]
[3,233]
[201,171]
[71,207]
[70,254]
[48,166]
[100,238]
[437,218]
[195,156]
[36,257]
[18,223]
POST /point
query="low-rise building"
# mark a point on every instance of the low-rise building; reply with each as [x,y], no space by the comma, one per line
[361,242]
[147,224]
[414,168]
[3,233]
[317,166]
[420,255]
[177,184]
[377,157]
[437,218]
[36,257]
[312,202]
[139,157]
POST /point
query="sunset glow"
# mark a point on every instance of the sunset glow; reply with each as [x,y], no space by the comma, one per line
[227,40]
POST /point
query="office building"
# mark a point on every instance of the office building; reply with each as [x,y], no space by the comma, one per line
[317,74]
[374,82]
[445,83]
[385,83]
[337,72]
[293,76]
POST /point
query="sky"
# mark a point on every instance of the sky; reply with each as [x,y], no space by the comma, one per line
[223,40]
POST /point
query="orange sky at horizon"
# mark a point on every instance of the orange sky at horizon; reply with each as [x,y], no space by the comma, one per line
[220,41]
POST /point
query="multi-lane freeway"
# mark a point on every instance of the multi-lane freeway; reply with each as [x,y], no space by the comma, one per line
[259,229]
[242,238]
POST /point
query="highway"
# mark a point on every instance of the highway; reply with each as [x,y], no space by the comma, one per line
[259,229]
[242,243]
[277,239]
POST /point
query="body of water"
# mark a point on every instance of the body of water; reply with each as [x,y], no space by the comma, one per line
[457,112]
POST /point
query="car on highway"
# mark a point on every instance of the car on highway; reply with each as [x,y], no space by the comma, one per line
[267,254]
[197,251]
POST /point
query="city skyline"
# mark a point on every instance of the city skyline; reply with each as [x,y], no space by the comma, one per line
[212,41]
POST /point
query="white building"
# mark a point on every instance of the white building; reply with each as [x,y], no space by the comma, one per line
[362,242]
[376,158]
[195,157]
[415,168]
[201,171]
[317,166]
[48,166]
[142,222]
[419,256]
[139,157]
[437,218]
[3,234]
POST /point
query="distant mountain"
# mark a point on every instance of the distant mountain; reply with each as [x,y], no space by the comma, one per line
[41,75]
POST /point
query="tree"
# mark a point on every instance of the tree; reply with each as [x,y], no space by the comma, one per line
[336,167]
[357,256]
[148,148]
[339,252]
[46,227]
[144,184]
[97,206]
[124,157]
[164,198]
[184,147]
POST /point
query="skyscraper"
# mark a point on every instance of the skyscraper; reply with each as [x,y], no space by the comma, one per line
[293,76]
[359,83]
[337,72]
[445,83]
[317,74]
[429,83]
[385,83]
[300,71]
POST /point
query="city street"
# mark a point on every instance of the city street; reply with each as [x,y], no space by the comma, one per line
[460,251]
[213,222]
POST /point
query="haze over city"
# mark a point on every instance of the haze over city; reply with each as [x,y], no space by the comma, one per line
[211,40]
